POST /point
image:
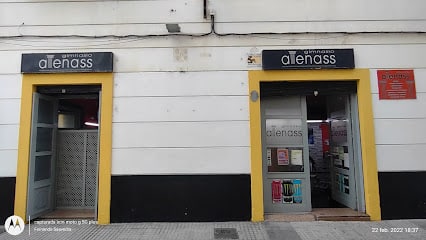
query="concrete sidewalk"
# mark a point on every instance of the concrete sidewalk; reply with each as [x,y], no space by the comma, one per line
[408,229]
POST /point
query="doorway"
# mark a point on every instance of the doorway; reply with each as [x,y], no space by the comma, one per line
[334,160]
[63,165]
[311,150]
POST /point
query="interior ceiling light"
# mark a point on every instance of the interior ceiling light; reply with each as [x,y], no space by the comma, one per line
[317,121]
[92,124]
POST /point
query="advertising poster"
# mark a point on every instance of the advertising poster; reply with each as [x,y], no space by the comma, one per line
[282,155]
[297,192]
[339,133]
[346,183]
[345,157]
[341,152]
[287,191]
[340,182]
[277,192]
[325,134]
[296,157]
[337,182]
[311,138]
[269,156]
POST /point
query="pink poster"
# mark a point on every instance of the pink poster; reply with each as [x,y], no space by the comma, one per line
[282,155]
[277,192]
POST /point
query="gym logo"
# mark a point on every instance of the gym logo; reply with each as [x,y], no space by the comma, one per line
[309,58]
[14,225]
[67,61]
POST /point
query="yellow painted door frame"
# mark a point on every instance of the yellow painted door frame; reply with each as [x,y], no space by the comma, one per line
[29,84]
[366,125]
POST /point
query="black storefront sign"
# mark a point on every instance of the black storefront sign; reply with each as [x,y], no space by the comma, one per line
[307,59]
[67,62]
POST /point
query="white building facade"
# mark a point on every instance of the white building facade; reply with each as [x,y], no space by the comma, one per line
[182,113]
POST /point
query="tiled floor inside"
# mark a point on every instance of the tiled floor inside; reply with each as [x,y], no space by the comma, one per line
[70,214]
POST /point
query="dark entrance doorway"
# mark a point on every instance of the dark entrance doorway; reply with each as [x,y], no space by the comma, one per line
[63,178]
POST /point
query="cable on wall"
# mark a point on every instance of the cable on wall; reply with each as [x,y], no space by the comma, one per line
[104,40]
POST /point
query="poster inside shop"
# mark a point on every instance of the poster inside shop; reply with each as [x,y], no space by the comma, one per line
[296,157]
[269,156]
[342,183]
[282,155]
[277,190]
[287,191]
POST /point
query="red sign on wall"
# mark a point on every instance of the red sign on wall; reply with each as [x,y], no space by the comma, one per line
[396,84]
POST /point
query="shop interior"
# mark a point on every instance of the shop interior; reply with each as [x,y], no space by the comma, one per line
[319,152]
[76,145]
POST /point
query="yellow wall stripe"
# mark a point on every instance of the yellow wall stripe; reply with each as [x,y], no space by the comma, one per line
[23,149]
[368,148]
[29,83]
[256,153]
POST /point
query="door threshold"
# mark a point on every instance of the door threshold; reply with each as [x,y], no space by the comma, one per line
[319,214]
[70,214]
[339,214]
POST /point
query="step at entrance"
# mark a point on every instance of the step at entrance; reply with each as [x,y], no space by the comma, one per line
[319,214]
[339,214]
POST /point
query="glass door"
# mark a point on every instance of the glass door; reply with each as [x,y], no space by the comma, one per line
[286,174]
[342,165]
[42,156]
